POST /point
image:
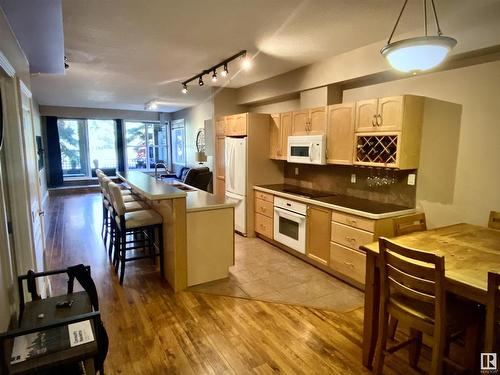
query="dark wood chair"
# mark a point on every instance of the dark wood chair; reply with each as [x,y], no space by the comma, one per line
[405,225]
[492,339]
[413,291]
[494,221]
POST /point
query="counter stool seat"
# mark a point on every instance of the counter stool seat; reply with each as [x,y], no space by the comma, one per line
[135,206]
[139,219]
[126,192]
[131,198]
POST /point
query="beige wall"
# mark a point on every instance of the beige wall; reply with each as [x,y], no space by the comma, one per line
[98,113]
[276,107]
[194,119]
[10,49]
[476,168]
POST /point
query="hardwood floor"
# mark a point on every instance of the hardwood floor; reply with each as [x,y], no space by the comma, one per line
[154,331]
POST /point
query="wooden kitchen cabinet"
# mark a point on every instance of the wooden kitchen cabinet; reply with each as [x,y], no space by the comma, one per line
[318,233]
[281,128]
[264,213]
[340,134]
[220,126]
[220,165]
[384,114]
[311,121]
[236,125]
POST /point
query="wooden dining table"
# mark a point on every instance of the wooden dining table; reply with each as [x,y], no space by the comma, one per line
[470,251]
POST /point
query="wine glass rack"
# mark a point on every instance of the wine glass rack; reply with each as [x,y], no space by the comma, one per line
[377,150]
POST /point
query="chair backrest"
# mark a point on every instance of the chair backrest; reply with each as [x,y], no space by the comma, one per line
[116,198]
[493,313]
[105,184]
[409,224]
[417,275]
[494,222]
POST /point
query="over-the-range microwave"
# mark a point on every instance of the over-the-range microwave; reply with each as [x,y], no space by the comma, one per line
[307,149]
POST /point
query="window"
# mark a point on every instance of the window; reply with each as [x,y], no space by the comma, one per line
[146,143]
[86,145]
[178,143]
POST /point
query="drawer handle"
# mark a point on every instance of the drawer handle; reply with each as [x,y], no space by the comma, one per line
[350,265]
[351,221]
[350,239]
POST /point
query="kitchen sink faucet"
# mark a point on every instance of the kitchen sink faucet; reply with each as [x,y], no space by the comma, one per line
[156,169]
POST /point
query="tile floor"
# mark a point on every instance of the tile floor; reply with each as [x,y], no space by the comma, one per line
[264,272]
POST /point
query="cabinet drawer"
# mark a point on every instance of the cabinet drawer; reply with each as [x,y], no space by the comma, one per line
[349,262]
[354,221]
[264,225]
[264,196]
[349,236]
[263,207]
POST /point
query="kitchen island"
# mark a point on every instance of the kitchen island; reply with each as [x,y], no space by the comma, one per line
[198,228]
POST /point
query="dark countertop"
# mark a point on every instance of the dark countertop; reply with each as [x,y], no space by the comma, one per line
[351,203]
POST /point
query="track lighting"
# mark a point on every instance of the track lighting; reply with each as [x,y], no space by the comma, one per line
[246,64]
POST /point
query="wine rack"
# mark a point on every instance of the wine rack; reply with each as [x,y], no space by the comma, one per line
[377,150]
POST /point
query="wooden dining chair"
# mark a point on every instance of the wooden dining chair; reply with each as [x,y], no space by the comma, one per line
[409,224]
[494,222]
[406,225]
[492,339]
[413,291]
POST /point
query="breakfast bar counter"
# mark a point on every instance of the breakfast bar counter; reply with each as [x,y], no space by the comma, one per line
[193,254]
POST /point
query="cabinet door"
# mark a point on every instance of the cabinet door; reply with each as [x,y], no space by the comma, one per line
[240,124]
[366,113]
[275,137]
[317,121]
[220,163]
[286,131]
[340,136]
[300,123]
[318,233]
[230,125]
[390,113]
[220,126]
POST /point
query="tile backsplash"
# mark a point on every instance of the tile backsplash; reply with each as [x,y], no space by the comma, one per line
[337,179]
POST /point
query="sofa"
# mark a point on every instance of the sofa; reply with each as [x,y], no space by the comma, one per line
[198,177]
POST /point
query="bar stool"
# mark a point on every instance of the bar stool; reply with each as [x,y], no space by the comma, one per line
[144,221]
[132,203]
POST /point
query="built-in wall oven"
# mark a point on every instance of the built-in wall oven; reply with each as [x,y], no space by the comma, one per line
[290,219]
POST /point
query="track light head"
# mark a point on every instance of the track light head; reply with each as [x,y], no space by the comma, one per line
[224,72]
[214,76]
[246,63]
[200,81]
[184,88]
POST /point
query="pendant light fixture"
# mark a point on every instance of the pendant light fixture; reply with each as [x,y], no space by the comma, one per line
[224,72]
[214,76]
[200,81]
[418,54]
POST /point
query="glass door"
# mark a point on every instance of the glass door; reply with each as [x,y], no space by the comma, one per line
[72,136]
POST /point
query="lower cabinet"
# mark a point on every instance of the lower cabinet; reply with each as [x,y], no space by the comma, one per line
[264,214]
[318,233]
[349,262]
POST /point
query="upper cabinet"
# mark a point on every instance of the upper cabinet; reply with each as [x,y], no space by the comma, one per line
[236,125]
[380,115]
[220,126]
[340,134]
[311,121]
[281,128]
[393,139]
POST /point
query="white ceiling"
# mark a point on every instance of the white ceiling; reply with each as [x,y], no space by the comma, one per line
[123,53]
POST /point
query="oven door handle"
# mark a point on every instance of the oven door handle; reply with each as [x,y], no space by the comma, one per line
[310,151]
[285,213]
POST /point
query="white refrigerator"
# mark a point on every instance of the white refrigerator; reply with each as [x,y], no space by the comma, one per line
[236,179]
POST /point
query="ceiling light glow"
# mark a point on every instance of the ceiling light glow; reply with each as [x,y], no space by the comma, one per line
[214,76]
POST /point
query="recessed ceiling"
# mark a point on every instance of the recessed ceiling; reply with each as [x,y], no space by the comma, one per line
[123,53]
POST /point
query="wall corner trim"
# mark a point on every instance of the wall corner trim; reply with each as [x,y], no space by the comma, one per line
[6,65]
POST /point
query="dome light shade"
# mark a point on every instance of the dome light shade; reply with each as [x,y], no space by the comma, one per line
[418,54]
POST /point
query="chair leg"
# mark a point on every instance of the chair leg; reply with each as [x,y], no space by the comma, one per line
[382,342]
[472,341]
[104,220]
[160,248]
[438,353]
[393,326]
[414,348]
[112,235]
[123,256]
[152,250]
[117,247]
